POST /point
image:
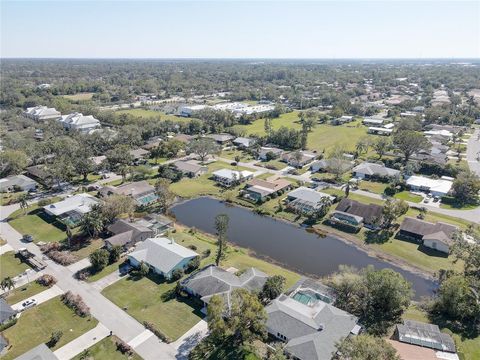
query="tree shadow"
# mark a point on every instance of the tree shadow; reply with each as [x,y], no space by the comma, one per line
[378,236]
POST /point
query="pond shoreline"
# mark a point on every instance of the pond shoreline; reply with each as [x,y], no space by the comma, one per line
[345,238]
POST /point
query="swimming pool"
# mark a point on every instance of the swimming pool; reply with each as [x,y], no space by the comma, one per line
[147,199]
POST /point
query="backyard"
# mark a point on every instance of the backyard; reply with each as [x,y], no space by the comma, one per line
[50,316]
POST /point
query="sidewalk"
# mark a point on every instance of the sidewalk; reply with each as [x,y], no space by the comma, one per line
[41,297]
[79,265]
[190,339]
[107,280]
[75,347]
[5,248]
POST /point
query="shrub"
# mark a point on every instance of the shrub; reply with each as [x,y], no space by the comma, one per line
[54,338]
[75,302]
[177,274]
[8,324]
[123,347]
[47,280]
[64,258]
[158,333]
[194,264]
[206,253]
[192,247]
[44,202]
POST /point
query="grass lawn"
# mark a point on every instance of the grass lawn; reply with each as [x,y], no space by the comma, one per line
[24,292]
[203,185]
[323,136]
[145,113]
[373,186]
[459,207]
[114,182]
[10,198]
[408,196]
[143,300]
[36,325]
[274,164]
[11,266]
[87,248]
[230,154]
[467,349]
[106,349]
[105,271]
[37,223]
[80,96]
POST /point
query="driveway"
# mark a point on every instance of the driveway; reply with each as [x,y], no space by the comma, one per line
[41,297]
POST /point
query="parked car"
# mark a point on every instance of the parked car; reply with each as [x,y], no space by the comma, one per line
[27,238]
[28,304]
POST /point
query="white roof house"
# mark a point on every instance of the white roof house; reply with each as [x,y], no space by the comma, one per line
[379,130]
[72,209]
[443,132]
[78,121]
[371,121]
[162,254]
[17,181]
[228,177]
[244,142]
[39,113]
[438,187]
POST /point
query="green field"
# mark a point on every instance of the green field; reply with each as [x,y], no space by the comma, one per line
[37,223]
[322,137]
[36,325]
[143,300]
[408,196]
[80,96]
[144,113]
[24,292]
[372,186]
[106,349]
[11,266]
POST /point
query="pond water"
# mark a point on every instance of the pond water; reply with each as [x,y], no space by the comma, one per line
[286,244]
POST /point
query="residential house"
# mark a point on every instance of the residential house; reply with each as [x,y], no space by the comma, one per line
[40,352]
[40,113]
[306,200]
[354,213]
[40,174]
[186,139]
[324,164]
[141,191]
[342,120]
[3,343]
[269,152]
[373,122]
[190,110]
[437,236]
[228,178]
[17,182]
[379,131]
[221,139]
[190,168]
[158,223]
[244,143]
[306,321]
[127,233]
[78,121]
[258,189]
[162,255]
[425,335]
[71,210]
[152,144]
[6,312]
[299,159]
[367,170]
[98,161]
[436,187]
[139,155]
[213,280]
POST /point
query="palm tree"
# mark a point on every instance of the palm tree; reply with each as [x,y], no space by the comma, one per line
[23,203]
[7,283]
[92,224]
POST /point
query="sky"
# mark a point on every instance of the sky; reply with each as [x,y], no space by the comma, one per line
[239,29]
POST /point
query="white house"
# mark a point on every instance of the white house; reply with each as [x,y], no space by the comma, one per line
[367,170]
[379,130]
[243,142]
[227,177]
[80,122]
[437,187]
[264,150]
[371,121]
[20,182]
[71,210]
[188,110]
[162,255]
[40,113]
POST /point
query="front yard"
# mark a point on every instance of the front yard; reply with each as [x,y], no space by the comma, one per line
[408,196]
[144,300]
[105,349]
[36,325]
[11,266]
[24,292]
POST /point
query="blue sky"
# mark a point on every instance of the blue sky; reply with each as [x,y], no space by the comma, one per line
[240,29]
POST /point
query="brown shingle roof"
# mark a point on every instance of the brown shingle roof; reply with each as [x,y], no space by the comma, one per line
[422,228]
[369,212]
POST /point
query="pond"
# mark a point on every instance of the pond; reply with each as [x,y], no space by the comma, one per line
[286,244]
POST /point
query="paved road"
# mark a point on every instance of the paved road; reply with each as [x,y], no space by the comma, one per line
[473,152]
[111,316]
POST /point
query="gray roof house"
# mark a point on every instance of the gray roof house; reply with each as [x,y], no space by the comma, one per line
[425,335]
[162,255]
[21,182]
[190,168]
[39,113]
[6,312]
[3,343]
[213,280]
[244,142]
[264,150]
[367,170]
[127,234]
[308,324]
[40,352]
[141,191]
[305,199]
[222,139]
